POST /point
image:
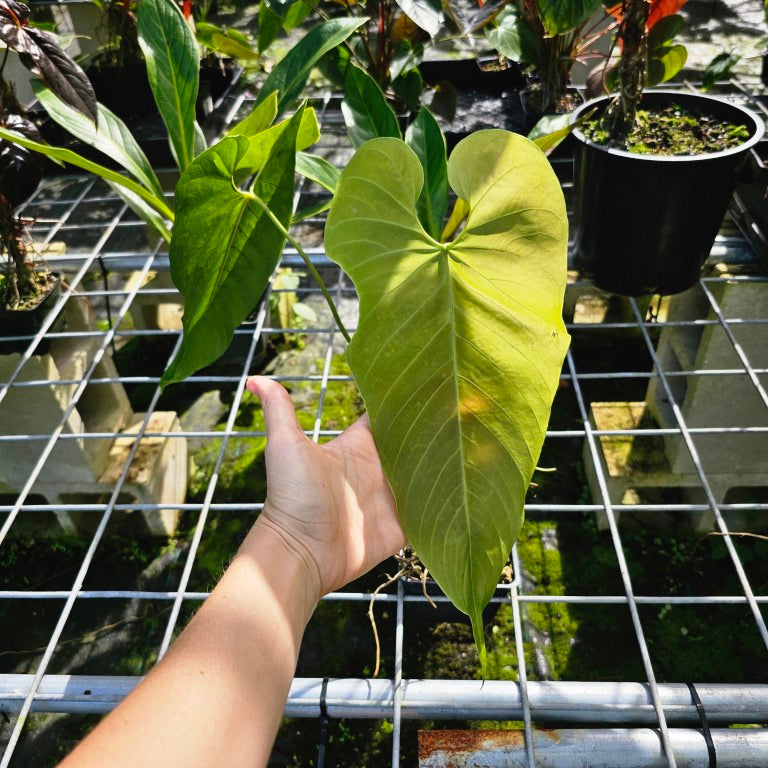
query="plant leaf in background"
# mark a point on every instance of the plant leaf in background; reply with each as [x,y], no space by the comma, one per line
[224,247]
[318,169]
[290,74]
[366,112]
[428,14]
[562,15]
[112,136]
[268,27]
[459,345]
[426,139]
[514,38]
[719,68]
[173,69]
[226,42]
[64,155]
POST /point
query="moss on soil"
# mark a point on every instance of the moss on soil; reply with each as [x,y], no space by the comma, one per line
[673,130]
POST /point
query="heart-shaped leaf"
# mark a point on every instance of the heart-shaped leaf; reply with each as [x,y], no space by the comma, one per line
[459,345]
[224,247]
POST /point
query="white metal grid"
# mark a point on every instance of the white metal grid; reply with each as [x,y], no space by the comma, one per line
[64,211]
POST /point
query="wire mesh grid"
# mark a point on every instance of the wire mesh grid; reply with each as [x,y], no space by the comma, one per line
[617,597]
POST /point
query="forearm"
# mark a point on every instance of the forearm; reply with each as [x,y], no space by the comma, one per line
[216,699]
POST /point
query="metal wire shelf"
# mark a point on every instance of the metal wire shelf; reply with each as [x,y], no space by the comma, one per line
[655,721]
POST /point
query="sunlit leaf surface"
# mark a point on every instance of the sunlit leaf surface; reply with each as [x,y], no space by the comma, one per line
[459,345]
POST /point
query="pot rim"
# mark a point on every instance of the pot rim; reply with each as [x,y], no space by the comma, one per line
[758,125]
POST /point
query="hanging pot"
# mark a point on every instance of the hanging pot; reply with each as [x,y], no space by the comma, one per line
[645,224]
[28,322]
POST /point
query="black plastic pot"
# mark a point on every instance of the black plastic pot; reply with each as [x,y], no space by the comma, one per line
[484,98]
[27,323]
[645,224]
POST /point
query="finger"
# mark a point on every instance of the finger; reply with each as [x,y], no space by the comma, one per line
[279,414]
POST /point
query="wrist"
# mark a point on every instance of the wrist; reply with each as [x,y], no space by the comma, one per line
[284,560]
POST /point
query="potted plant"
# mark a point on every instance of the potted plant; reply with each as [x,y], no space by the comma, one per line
[28,289]
[654,171]
[548,39]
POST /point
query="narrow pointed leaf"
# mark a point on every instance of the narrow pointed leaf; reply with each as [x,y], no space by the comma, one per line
[173,69]
[261,117]
[224,248]
[290,74]
[459,346]
[366,112]
[61,154]
[426,139]
[318,169]
[112,136]
[145,212]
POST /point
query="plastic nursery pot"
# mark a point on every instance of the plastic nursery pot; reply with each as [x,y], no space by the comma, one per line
[645,224]
[26,323]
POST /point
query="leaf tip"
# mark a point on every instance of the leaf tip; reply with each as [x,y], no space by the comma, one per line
[479,636]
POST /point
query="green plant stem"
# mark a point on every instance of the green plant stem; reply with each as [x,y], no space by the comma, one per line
[310,266]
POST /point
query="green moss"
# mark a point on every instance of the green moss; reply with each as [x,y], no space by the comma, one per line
[673,130]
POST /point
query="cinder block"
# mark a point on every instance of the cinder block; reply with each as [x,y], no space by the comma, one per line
[715,400]
[154,311]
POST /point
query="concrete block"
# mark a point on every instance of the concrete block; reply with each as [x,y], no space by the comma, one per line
[154,311]
[715,400]
[635,464]
[40,409]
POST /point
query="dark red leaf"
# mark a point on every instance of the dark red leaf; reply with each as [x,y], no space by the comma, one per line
[658,10]
[58,71]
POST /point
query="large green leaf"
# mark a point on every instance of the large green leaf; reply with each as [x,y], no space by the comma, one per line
[173,69]
[112,136]
[224,247]
[366,112]
[428,14]
[426,139]
[290,74]
[459,345]
[562,15]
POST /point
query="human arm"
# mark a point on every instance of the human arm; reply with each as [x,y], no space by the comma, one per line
[217,697]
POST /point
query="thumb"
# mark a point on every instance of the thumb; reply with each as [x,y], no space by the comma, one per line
[279,414]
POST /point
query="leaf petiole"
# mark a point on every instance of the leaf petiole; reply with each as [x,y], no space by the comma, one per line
[310,266]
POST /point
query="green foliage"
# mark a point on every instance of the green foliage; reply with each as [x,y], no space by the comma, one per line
[173,69]
[515,39]
[226,42]
[719,68]
[426,139]
[459,345]
[290,74]
[366,112]
[222,275]
[562,15]
[428,14]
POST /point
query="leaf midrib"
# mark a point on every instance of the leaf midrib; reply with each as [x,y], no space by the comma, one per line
[455,373]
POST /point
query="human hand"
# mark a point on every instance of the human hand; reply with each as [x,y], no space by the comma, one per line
[330,504]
